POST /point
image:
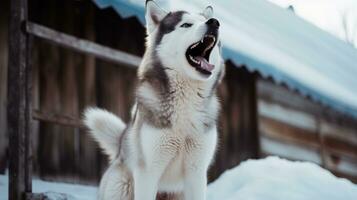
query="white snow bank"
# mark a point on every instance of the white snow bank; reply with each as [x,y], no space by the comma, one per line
[54,190]
[274,178]
[266,179]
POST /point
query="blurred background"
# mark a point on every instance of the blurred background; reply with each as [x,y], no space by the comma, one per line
[290,88]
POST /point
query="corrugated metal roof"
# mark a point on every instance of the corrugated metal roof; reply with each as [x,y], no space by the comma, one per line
[276,43]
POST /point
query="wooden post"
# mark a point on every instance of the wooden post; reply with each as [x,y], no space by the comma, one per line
[238,130]
[4,21]
[242,114]
[248,121]
[18,109]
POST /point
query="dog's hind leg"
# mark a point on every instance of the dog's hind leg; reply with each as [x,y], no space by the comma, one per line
[146,184]
[116,184]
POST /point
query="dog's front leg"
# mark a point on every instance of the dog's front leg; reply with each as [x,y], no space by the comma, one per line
[145,184]
[195,185]
[147,175]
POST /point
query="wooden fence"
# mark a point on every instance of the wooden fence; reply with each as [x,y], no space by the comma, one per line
[20,89]
[48,87]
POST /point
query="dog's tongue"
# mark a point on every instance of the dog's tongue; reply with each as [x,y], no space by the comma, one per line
[204,63]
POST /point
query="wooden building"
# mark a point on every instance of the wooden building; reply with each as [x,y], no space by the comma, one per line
[260,115]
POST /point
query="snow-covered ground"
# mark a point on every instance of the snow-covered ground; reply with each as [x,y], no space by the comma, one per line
[54,190]
[266,179]
[279,179]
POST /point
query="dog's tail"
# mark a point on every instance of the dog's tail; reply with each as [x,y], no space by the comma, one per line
[106,129]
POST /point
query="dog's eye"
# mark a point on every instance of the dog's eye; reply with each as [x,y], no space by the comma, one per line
[186,25]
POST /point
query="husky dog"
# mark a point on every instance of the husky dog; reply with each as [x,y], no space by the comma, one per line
[171,139]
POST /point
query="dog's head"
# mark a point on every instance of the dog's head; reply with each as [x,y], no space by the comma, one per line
[185,42]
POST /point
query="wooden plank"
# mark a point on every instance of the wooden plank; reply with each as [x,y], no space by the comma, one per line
[35,196]
[52,61]
[338,140]
[87,153]
[342,164]
[4,20]
[18,105]
[271,92]
[341,147]
[64,120]
[291,151]
[245,84]
[286,133]
[337,154]
[280,94]
[28,135]
[48,196]
[323,152]
[288,115]
[84,46]
[340,131]
[289,134]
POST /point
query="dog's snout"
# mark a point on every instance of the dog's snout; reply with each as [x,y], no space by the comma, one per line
[213,22]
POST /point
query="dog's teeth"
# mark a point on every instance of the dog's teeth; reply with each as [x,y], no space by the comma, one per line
[194,60]
[194,45]
[208,47]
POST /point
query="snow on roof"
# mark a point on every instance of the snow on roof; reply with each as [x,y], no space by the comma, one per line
[276,43]
[271,178]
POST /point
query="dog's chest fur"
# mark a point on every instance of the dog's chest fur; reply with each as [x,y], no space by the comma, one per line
[178,123]
[185,106]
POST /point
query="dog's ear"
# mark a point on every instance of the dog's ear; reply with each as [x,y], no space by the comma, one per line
[154,14]
[208,12]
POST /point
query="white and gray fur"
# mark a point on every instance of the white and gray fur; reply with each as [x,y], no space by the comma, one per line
[171,139]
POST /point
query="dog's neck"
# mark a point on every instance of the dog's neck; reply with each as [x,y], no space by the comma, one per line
[167,79]
[164,94]
[170,84]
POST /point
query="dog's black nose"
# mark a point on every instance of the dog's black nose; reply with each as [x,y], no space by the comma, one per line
[213,22]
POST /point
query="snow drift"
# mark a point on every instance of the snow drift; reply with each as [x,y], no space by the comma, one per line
[271,178]
[274,178]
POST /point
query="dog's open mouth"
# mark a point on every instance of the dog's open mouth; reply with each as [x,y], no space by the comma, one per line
[198,54]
